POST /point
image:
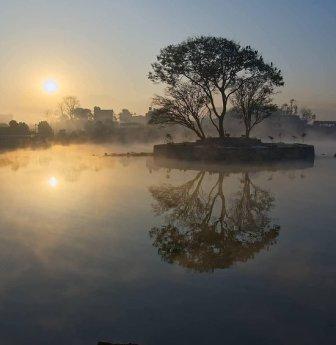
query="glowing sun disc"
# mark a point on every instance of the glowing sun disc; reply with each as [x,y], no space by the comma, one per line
[50,86]
[53,182]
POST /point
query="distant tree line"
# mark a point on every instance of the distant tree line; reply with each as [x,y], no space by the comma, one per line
[15,128]
[205,77]
[292,108]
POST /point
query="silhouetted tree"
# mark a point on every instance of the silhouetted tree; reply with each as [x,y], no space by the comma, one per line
[82,114]
[18,128]
[307,115]
[168,138]
[66,108]
[291,108]
[45,130]
[253,101]
[217,65]
[184,104]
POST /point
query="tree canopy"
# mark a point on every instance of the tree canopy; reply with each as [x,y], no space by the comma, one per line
[217,65]
[66,108]
[184,104]
[18,128]
[253,102]
[45,130]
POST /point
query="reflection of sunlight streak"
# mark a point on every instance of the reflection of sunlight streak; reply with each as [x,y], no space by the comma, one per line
[53,182]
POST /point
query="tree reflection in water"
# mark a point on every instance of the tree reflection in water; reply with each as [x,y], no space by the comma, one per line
[204,231]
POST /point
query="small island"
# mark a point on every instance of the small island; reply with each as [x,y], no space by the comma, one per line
[234,150]
[204,77]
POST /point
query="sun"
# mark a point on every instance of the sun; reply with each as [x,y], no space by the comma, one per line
[50,86]
[53,182]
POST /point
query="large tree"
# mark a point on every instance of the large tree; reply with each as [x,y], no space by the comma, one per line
[217,65]
[184,104]
[253,102]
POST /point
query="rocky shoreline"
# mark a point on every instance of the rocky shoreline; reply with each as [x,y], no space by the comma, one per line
[234,150]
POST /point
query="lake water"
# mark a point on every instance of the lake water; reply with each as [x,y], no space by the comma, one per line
[120,249]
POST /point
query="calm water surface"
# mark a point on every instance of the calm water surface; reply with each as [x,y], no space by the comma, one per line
[121,249]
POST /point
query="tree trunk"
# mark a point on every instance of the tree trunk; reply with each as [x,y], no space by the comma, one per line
[221,127]
[198,133]
[221,118]
[248,126]
[200,128]
[247,131]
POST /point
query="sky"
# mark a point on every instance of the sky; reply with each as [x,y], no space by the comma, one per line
[101,50]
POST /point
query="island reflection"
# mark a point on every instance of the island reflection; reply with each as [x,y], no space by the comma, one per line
[206,228]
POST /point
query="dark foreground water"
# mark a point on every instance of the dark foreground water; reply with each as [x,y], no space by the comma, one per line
[99,248]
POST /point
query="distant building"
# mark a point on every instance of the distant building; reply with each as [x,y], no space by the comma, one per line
[139,119]
[286,122]
[82,114]
[125,116]
[324,124]
[285,118]
[103,114]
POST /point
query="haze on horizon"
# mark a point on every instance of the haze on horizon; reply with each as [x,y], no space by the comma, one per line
[101,51]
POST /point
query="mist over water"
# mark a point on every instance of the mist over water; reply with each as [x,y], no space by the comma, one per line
[167,184]
[96,247]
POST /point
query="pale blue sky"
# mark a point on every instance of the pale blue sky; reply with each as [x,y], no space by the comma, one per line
[101,50]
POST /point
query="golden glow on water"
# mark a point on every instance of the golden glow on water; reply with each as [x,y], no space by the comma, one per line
[71,214]
[53,182]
